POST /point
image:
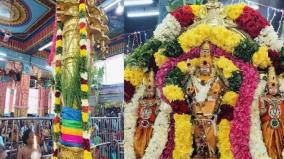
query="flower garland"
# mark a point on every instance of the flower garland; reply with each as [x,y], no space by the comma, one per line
[168,30]
[281,85]
[240,126]
[173,93]
[184,15]
[170,145]
[160,59]
[58,88]
[260,58]
[183,137]
[226,65]
[218,35]
[134,75]
[269,37]
[160,134]
[130,124]
[256,145]
[224,145]
[84,53]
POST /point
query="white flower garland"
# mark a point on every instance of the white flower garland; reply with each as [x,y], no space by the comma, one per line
[281,85]
[270,38]
[168,30]
[256,144]
[160,134]
[130,121]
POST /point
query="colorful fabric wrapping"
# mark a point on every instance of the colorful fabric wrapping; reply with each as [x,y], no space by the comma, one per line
[71,131]
[71,128]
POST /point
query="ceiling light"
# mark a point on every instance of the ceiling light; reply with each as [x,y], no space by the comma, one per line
[137,2]
[45,46]
[119,10]
[112,4]
[142,14]
[3,54]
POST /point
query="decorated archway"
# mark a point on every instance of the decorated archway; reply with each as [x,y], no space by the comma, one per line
[216,116]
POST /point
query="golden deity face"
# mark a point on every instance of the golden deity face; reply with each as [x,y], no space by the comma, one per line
[149,83]
[272,84]
[205,65]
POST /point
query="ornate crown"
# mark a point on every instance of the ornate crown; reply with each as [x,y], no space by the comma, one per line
[272,77]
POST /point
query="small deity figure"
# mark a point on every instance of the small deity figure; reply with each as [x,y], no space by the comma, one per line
[147,113]
[204,90]
[272,120]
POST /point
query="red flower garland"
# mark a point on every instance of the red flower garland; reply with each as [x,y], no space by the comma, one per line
[184,15]
[251,21]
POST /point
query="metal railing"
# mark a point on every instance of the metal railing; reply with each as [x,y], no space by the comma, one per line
[108,135]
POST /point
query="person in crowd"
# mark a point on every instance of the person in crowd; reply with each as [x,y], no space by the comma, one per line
[27,150]
[31,125]
[4,131]
[24,127]
[3,153]
[114,146]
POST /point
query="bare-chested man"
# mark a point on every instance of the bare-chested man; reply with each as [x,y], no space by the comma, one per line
[26,151]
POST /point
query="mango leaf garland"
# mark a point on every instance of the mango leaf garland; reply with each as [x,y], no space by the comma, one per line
[143,56]
[246,49]
[235,81]
[172,49]
[175,77]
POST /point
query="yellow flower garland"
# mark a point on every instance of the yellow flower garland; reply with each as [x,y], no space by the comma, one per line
[230,98]
[56,127]
[224,144]
[173,93]
[182,66]
[134,75]
[226,65]
[235,11]
[225,39]
[183,137]
[57,101]
[85,117]
[260,58]
[160,59]
[197,10]
[218,35]
[84,88]
[87,155]
[194,37]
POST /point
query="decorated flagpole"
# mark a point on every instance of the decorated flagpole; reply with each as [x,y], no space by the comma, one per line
[80,24]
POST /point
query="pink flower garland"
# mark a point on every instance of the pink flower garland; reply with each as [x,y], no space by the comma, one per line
[170,145]
[239,135]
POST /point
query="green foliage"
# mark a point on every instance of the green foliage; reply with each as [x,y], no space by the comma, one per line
[246,49]
[235,81]
[143,55]
[282,56]
[175,77]
[98,78]
[172,49]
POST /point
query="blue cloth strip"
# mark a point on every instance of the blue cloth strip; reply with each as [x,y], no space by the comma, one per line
[70,144]
[71,114]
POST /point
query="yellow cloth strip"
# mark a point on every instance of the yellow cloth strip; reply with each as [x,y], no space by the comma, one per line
[71,131]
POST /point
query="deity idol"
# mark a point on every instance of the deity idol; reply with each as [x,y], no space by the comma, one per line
[147,113]
[272,120]
[204,91]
